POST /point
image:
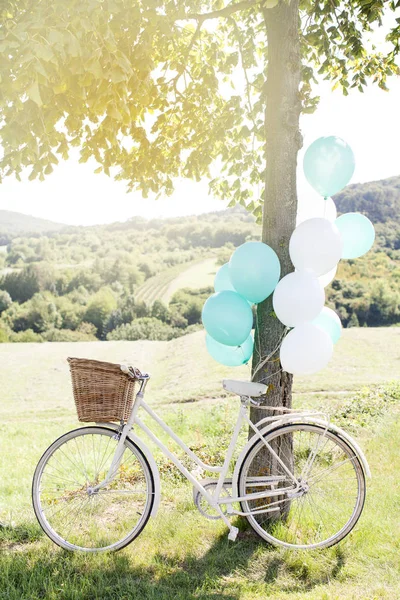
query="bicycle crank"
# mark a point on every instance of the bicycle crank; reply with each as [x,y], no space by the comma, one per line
[201,503]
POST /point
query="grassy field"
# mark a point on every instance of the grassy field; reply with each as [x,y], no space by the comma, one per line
[181,555]
[162,286]
[199,275]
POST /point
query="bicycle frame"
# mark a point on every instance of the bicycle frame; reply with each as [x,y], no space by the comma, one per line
[214,499]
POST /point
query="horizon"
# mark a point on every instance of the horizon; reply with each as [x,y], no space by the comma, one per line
[74,195]
[166,217]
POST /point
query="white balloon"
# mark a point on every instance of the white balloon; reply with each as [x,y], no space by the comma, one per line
[305,350]
[297,298]
[312,205]
[329,210]
[328,277]
[316,244]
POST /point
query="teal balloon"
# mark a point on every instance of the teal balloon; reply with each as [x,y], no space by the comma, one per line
[254,270]
[358,234]
[329,322]
[329,165]
[222,279]
[228,318]
[230,356]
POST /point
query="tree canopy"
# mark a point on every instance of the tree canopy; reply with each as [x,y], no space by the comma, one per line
[149,88]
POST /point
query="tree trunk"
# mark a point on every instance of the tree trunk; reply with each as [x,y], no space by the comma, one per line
[283,141]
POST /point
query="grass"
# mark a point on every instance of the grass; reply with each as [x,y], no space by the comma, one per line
[199,275]
[180,555]
[162,286]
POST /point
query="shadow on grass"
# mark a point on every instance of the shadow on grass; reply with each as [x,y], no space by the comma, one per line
[24,533]
[220,574]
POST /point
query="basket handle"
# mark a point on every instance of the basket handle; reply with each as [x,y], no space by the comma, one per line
[131,371]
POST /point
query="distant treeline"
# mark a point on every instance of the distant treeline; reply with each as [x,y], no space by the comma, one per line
[82,283]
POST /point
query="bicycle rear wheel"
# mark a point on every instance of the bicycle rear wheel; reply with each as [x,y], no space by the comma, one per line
[70,513]
[332,493]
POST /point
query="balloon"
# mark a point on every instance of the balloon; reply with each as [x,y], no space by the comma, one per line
[227,317]
[329,165]
[358,234]
[305,350]
[329,210]
[222,279]
[298,297]
[316,244]
[326,279]
[312,206]
[230,356]
[329,322]
[254,270]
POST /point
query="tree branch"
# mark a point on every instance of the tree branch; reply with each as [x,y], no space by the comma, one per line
[223,12]
[185,57]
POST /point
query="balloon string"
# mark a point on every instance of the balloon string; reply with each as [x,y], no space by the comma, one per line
[263,361]
[272,375]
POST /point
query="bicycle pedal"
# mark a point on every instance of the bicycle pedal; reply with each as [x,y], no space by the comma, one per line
[232,535]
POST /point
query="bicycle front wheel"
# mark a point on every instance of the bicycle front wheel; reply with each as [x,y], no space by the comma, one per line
[75,517]
[324,502]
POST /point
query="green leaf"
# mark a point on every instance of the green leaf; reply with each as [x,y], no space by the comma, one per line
[114,113]
[56,37]
[60,88]
[43,51]
[117,75]
[34,94]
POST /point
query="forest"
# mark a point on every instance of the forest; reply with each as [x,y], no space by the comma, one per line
[83,283]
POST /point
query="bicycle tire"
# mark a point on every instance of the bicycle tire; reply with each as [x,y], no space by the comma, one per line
[274,525]
[77,488]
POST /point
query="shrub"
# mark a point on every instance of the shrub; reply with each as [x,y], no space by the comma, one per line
[39,314]
[5,300]
[368,405]
[21,285]
[99,309]
[146,328]
[3,336]
[27,336]
[67,335]
[189,303]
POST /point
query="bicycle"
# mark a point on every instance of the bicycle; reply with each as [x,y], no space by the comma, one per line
[299,480]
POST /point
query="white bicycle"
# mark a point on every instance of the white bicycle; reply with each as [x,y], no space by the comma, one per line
[299,480]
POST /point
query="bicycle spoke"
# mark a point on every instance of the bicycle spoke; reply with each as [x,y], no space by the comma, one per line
[327,497]
[69,509]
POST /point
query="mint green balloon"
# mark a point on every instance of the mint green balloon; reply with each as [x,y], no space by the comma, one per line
[358,234]
[230,356]
[329,165]
[329,322]
[254,269]
[222,279]
[228,318]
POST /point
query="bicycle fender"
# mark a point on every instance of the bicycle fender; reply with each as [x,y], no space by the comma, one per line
[293,418]
[156,473]
[352,443]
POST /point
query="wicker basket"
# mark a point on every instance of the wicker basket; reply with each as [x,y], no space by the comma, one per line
[102,392]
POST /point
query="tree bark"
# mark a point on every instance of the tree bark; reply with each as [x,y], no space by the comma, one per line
[283,141]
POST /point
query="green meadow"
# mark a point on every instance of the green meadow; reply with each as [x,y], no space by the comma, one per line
[180,555]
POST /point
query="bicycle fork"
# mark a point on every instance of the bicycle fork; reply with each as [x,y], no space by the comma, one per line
[121,435]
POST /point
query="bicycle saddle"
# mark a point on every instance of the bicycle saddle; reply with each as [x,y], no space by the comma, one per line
[244,388]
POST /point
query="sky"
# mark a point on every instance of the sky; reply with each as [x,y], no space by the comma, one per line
[73,194]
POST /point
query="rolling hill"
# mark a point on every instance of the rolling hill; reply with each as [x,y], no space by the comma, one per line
[14,224]
[109,277]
